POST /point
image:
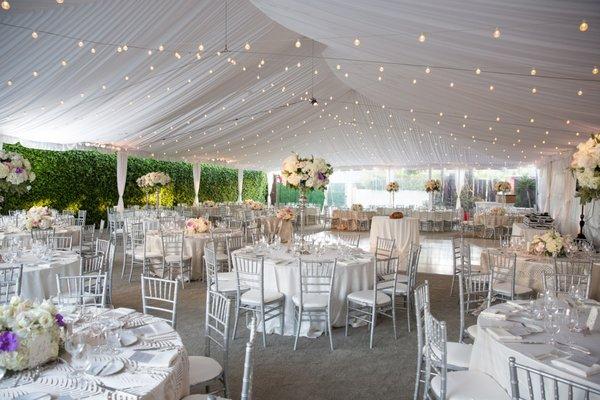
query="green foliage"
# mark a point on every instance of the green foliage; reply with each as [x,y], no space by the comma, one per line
[467,197]
[87,180]
[288,195]
[525,191]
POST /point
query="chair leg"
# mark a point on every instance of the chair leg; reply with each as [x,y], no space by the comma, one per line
[373,317]
[347,311]
[394,318]
[418,378]
[124,261]
[237,316]
[329,329]
[298,325]
[452,286]
[264,325]
[131,269]
[408,302]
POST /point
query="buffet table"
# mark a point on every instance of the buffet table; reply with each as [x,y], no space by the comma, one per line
[404,230]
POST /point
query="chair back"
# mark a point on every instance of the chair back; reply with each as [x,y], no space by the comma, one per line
[247,379]
[466,265]
[503,267]
[234,224]
[107,250]
[421,294]
[83,290]
[90,265]
[577,268]
[81,216]
[216,328]
[544,385]
[316,277]
[457,246]
[172,244]
[436,353]
[232,243]
[42,235]
[384,248]
[562,283]
[350,239]
[88,232]
[249,272]
[474,290]
[10,282]
[414,255]
[64,243]
[159,298]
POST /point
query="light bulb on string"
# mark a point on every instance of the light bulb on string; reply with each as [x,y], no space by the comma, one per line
[422,37]
[533,71]
[125,48]
[534,90]
[496,34]
[298,44]
[5,5]
[478,71]
[357,42]
[579,92]
[200,47]
[583,26]
[34,34]
[93,50]
[161,48]
[381,68]
[60,1]
[595,70]
[80,43]
[63,63]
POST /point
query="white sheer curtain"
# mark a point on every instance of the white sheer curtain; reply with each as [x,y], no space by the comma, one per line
[460,178]
[270,177]
[196,171]
[121,177]
[240,184]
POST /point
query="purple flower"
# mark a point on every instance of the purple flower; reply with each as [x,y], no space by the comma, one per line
[9,341]
[18,170]
[321,176]
[59,320]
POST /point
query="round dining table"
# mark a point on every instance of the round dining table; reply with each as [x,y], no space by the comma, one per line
[404,230]
[511,330]
[354,272]
[73,231]
[152,359]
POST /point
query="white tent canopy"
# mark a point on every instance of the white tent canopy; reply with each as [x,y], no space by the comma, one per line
[95,75]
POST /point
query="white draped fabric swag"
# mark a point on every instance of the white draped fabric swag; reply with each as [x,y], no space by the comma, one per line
[121,178]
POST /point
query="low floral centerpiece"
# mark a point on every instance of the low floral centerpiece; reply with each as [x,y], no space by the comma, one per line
[29,333]
[286,214]
[502,187]
[208,203]
[550,244]
[392,187]
[196,225]
[39,217]
[585,165]
[433,185]
[397,215]
[357,207]
[15,174]
[499,211]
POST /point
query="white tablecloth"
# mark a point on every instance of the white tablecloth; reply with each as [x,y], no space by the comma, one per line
[281,274]
[519,229]
[491,356]
[73,231]
[39,277]
[404,230]
[137,380]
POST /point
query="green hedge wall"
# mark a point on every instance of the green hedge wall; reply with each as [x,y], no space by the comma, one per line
[288,195]
[87,180]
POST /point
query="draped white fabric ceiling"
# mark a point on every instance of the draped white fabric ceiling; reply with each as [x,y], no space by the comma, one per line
[227,108]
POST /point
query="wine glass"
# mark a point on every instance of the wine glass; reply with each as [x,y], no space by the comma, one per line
[552,327]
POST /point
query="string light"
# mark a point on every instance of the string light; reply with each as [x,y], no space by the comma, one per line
[534,90]
[595,70]
[478,71]
[60,1]
[34,34]
[80,43]
[451,84]
[427,70]
[381,68]
[93,50]
[200,47]
[496,33]
[63,63]
[357,42]
[583,26]
[125,48]
[422,37]
[298,44]
[161,48]
[5,5]
[491,87]
[9,83]
[177,55]
[579,92]
[247,46]
[533,71]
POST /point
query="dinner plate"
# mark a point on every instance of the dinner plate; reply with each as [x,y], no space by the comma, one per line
[128,338]
[100,367]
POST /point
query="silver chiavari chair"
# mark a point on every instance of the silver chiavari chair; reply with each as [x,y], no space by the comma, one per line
[82,290]
[81,216]
[313,301]
[253,234]
[10,282]
[42,235]
[562,283]
[174,257]
[458,384]
[222,282]
[474,294]
[580,270]
[63,243]
[365,305]
[265,304]
[91,265]
[204,369]
[138,250]
[106,249]
[504,286]
[87,238]
[384,248]
[544,385]
[159,298]
[421,295]
[457,246]
[233,242]
[350,239]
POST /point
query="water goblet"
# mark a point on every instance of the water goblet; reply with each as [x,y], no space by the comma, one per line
[552,327]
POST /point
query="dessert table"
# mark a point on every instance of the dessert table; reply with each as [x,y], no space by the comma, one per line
[39,276]
[493,347]
[154,367]
[354,272]
[520,229]
[404,230]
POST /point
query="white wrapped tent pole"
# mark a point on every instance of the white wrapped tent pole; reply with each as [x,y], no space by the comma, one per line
[196,170]
[121,178]
[240,184]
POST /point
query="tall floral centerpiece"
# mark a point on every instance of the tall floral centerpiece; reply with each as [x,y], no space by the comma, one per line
[432,186]
[392,188]
[502,187]
[585,165]
[550,244]
[153,181]
[29,333]
[305,174]
[15,174]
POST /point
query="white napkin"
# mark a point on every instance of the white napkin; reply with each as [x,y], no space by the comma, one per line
[158,359]
[503,335]
[118,312]
[494,314]
[519,304]
[575,367]
[154,329]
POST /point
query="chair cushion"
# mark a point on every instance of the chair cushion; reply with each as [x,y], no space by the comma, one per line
[174,258]
[203,369]
[366,297]
[472,331]
[227,276]
[469,385]
[458,355]
[252,297]
[222,257]
[504,289]
[311,300]
[401,288]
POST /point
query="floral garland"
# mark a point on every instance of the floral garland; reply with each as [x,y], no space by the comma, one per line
[286,214]
[196,225]
[29,333]
[585,165]
[15,174]
[38,218]
[153,180]
[433,185]
[502,186]
[305,173]
[392,187]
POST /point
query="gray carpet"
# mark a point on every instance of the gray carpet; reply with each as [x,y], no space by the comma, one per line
[352,371]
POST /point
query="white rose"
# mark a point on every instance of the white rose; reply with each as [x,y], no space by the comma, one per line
[32,176]
[290,163]
[4,170]
[45,319]
[294,179]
